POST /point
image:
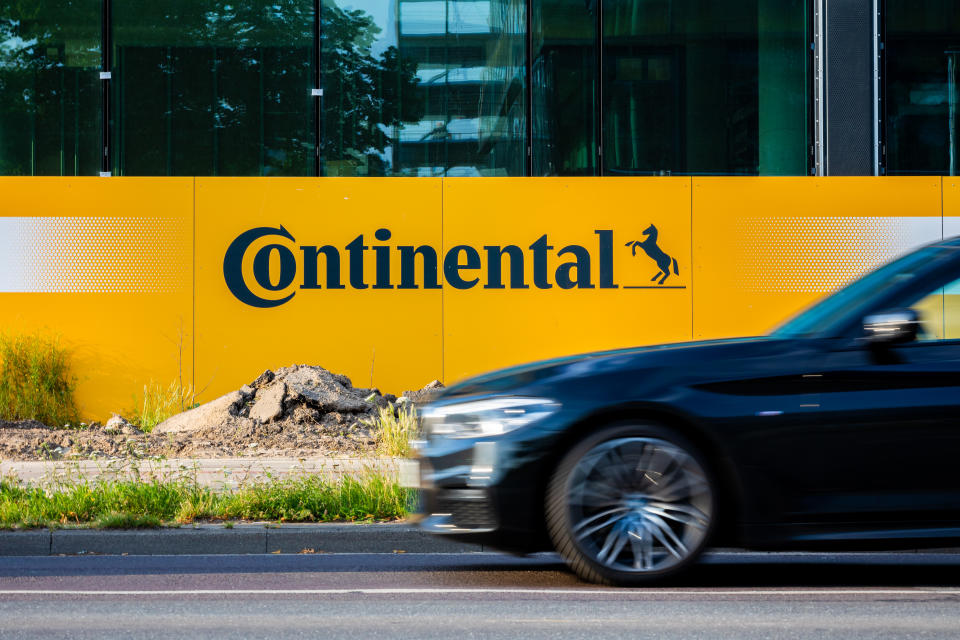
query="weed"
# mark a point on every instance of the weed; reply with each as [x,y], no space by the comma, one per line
[127,521]
[194,507]
[393,429]
[44,451]
[158,404]
[35,380]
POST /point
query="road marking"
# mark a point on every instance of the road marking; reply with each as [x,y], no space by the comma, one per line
[436,591]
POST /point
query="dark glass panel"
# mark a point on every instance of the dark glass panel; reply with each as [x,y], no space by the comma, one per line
[565,88]
[922,91]
[50,87]
[696,87]
[214,87]
[423,87]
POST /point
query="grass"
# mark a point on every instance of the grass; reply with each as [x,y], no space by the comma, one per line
[35,380]
[393,429]
[129,503]
[158,404]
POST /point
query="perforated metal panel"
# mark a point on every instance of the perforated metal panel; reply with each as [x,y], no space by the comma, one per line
[850,132]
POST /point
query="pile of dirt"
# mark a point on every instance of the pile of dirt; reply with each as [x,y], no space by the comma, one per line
[299,411]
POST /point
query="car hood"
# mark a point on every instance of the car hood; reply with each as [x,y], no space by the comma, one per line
[702,352]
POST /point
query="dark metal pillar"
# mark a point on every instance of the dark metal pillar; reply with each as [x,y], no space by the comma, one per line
[106,51]
[847,88]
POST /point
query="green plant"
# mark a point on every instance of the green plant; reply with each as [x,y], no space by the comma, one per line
[131,502]
[44,452]
[35,380]
[157,404]
[127,521]
[393,427]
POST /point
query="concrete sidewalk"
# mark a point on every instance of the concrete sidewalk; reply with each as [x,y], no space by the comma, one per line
[241,539]
[220,474]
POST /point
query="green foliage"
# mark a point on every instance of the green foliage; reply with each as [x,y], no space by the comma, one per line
[158,404]
[35,380]
[312,498]
[138,504]
[393,428]
[127,521]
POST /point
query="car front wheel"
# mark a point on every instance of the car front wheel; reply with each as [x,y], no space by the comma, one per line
[630,504]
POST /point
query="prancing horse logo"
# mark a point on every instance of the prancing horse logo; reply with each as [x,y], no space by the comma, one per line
[655,253]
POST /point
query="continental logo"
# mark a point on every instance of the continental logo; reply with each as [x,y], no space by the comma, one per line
[267,260]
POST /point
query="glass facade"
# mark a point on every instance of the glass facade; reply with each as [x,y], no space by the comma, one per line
[424,87]
[695,87]
[565,88]
[922,97]
[213,87]
[408,87]
[49,88]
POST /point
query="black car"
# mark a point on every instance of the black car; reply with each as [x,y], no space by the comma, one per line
[840,428]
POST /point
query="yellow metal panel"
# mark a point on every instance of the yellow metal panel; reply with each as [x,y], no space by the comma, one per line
[486,328]
[951,228]
[764,248]
[951,206]
[951,316]
[106,265]
[390,338]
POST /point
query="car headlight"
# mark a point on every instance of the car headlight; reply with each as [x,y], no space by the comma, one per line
[490,417]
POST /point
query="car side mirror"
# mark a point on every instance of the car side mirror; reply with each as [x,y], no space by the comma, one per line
[896,326]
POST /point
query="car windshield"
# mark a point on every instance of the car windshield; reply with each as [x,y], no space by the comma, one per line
[853,298]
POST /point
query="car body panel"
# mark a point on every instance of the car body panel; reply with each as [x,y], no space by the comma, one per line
[813,439]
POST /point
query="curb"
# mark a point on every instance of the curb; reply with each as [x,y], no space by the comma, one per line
[241,539]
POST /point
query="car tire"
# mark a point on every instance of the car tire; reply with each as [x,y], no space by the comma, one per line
[631,504]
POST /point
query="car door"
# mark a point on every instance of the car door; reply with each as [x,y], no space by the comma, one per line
[891,415]
[765,408]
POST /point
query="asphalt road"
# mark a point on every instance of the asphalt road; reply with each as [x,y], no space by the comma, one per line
[483,595]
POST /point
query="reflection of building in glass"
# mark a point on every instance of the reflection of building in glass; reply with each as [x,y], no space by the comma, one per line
[474,88]
[462,111]
[470,63]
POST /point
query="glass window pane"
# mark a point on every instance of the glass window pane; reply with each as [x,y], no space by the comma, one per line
[939,312]
[564,88]
[214,87]
[50,88]
[423,88]
[696,87]
[922,92]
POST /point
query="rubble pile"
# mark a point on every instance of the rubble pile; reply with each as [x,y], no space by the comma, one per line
[298,411]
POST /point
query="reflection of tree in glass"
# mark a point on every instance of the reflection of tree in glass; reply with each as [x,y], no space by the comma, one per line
[365,96]
[207,67]
[220,23]
[32,36]
[26,28]
[237,79]
[42,82]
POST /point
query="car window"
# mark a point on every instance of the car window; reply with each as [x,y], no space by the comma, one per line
[940,313]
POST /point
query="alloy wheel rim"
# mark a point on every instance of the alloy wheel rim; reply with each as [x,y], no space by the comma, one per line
[639,505]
